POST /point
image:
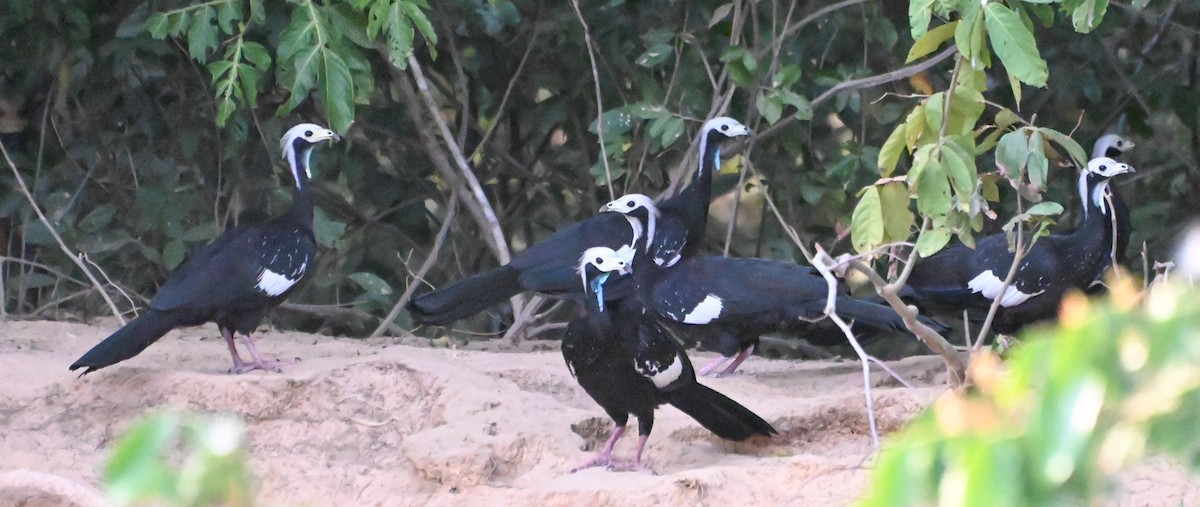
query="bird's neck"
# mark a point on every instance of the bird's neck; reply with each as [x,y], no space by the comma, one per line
[301,210]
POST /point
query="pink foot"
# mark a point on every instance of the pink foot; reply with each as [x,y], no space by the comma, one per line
[274,365]
[712,365]
[601,459]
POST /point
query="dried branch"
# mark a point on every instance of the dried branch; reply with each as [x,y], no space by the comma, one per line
[62,245]
[587,39]
[419,276]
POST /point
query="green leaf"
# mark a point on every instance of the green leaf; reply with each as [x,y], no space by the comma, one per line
[1011,153]
[136,470]
[1037,166]
[227,13]
[1088,15]
[961,170]
[421,21]
[932,240]
[1045,208]
[719,14]
[337,91]
[157,25]
[1073,148]
[898,220]
[786,76]
[889,153]
[326,229]
[655,55]
[202,37]
[98,218]
[804,111]
[256,54]
[671,131]
[933,190]
[1015,45]
[770,107]
[919,14]
[866,224]
[914,126]
[173,253]
[400,35]
[932,40]
[372,283]
[967,35]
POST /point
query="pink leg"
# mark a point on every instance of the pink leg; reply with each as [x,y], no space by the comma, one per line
[238,363]
[637,458]
[605,456]
[712,365]
[742,356]
[258,363]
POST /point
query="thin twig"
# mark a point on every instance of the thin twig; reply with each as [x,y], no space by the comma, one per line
[587,39]
[1018,256]
[419,276]
[866,82]
[62,245]
[822,263]
[109,280]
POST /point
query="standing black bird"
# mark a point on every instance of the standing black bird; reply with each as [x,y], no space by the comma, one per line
[629,364]
[548,266]
[236,279]
[959,278]
[739,299]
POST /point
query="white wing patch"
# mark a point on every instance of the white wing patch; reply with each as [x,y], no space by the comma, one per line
[663,378]
[989,286]
[705,312]
[274,284]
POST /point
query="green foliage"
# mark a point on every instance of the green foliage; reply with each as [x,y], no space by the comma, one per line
[109,111]
[1070,407]
[170,458]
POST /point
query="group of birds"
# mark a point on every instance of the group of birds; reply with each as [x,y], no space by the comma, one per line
[645,289]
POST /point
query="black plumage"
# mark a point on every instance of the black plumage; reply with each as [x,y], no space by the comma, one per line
[548,267]
[737,300]
[629,364]
[959,278]
[235,280]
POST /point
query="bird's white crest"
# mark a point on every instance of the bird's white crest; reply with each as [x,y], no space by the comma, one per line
[603,258]
[1110,141]
[1106,168]
[988,285]
[310,132]
[628,203]
[274,284]
[705,312]
[725,125]
[663,378]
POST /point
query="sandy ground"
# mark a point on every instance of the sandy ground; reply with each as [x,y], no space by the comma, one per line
[381,423]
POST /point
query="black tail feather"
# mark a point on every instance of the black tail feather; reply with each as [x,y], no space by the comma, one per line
[880,316]
[127,342]
[719,414]
[465,297]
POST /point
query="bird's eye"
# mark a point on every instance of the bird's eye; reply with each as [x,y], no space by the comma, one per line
[724,127]
[307,133]
[599,261]
[630,204]
[1103,168]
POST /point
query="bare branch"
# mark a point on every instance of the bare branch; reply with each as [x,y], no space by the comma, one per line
[587,39]
[49,227]
[419,276]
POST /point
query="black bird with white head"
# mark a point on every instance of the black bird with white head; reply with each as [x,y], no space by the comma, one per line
[235,280]
[959,278]
[629,364]
[548,266]
[739,299]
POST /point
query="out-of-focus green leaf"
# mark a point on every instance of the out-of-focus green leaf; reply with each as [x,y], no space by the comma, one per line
[889,153]
[655,55]
[932,240]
